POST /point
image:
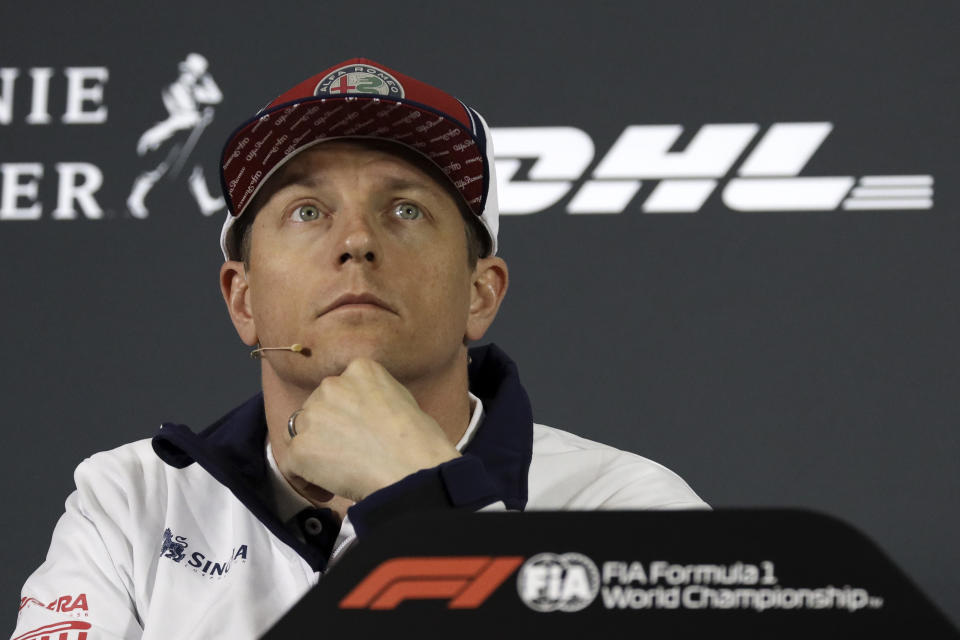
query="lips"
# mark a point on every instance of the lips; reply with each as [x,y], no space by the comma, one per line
[357,299]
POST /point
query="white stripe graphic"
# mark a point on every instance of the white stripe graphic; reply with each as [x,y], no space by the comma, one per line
[896,181]
[872,203]
[892,192]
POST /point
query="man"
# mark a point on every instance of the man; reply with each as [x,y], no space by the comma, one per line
[360,258]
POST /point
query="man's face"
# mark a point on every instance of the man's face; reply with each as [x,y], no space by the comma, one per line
[359,252]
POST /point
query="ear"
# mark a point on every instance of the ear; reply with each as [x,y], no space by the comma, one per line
[236,294]
[490,280]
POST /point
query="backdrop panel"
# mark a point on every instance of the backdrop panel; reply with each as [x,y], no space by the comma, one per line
[732,231]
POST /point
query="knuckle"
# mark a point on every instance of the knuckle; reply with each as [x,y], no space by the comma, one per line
[365,365]
[329,383]
[356,366]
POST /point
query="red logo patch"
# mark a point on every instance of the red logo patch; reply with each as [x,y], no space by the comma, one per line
[64,629]
[59,604]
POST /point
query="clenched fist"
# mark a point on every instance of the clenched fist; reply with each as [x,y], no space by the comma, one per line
[362,431]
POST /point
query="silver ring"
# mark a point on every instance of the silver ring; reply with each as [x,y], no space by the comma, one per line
[292,423]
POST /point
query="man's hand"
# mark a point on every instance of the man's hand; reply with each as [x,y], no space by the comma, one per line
[362,431]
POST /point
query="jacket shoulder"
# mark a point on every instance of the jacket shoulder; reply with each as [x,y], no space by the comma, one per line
[127,460]
[572,472]
[131,473]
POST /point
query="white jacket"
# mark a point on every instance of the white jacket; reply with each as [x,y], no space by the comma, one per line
[197,536]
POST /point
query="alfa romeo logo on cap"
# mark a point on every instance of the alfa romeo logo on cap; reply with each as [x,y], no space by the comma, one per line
[359,79]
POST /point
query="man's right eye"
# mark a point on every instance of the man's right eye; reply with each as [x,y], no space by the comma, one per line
[305,213]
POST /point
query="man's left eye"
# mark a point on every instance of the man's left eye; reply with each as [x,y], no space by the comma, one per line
[407,211]
[306,213]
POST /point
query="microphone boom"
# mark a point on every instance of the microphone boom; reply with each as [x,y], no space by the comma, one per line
[258,352]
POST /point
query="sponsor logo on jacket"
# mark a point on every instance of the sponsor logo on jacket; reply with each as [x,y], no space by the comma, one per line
[174,547]
[75,605]
[66,630]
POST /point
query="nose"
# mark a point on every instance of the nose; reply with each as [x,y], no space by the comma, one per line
[367,256]
[359,242]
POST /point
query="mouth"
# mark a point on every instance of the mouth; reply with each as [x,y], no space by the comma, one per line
[357,301]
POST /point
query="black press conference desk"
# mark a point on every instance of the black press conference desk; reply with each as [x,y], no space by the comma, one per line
[772,573]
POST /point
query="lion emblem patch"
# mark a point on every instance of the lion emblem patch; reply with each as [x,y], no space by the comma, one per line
[173,547]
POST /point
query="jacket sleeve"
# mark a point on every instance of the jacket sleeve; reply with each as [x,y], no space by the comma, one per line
[462,483]
[84,585]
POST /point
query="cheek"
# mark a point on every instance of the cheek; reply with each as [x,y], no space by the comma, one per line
[445,295]
[274,300]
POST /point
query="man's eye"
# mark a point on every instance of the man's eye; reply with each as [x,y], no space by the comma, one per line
[306,213]
[407,211]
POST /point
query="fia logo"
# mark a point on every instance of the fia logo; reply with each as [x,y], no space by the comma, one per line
[189,101]
[558,582]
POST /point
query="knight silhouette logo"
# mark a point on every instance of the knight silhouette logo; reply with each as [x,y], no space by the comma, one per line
[752,168]
[189,101]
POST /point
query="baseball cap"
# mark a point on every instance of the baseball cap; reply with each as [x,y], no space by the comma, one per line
[360,98]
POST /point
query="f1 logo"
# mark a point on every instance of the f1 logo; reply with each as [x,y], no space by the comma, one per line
[466,581]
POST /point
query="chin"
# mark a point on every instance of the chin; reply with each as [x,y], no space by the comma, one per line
[333,359]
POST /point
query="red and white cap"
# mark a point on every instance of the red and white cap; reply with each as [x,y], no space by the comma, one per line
[360,98]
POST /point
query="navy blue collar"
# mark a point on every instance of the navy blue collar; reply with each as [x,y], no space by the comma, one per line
[232,448]
[504,440]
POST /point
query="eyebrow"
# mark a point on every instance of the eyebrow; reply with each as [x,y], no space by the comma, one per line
[398,184]
[299,179]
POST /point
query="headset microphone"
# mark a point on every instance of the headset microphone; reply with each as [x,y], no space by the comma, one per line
[258,352]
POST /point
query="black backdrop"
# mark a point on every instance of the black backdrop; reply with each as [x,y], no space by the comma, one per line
[771,357]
